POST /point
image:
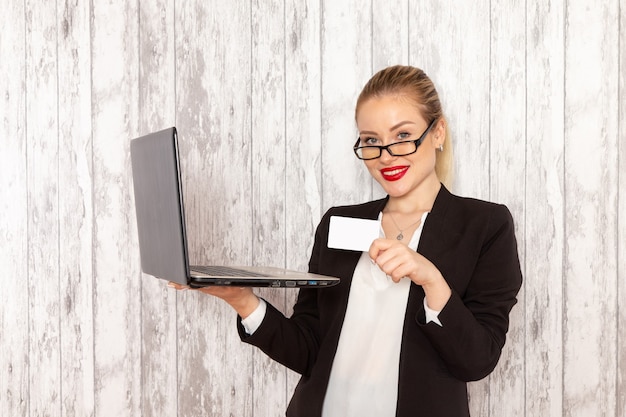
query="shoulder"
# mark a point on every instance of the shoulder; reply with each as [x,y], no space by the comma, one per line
[469,205]
[463,213]
[480,208]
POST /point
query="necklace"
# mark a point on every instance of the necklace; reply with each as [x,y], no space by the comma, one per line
[400,235]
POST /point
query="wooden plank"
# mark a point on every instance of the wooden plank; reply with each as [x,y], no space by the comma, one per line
[303,140]
[591,85]
[390,33]
[213,111]
[43,210]
[157,110]
[544,238]
[346,67]
[269,177]
[390,44]
[302,132]
[447,40]
[14,319]
[507,144]
[75,209]
[621,233]
[116,289]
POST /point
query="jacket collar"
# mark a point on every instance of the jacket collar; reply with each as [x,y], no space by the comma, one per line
[432,241]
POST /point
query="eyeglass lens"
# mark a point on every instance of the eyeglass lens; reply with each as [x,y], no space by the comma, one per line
[396,149]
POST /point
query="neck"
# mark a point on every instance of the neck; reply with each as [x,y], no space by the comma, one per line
[420,200]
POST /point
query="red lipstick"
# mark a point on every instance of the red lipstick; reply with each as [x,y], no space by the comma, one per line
[394,173]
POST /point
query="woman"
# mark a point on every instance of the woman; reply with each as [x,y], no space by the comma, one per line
[427,308]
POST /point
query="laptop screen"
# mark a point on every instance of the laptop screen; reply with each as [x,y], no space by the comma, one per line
[158,205]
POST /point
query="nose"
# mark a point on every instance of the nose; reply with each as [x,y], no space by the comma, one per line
[385,155]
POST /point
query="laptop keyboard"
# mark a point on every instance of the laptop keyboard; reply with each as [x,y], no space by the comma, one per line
[224,271]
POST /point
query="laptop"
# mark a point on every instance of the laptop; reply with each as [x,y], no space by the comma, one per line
[161,226]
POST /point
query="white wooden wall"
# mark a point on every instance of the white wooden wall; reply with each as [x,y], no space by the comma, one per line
[263,95]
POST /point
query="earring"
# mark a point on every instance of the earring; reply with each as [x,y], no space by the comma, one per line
[441,148]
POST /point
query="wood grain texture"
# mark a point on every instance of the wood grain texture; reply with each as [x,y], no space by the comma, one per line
[544,238]
[157,110]
[591,85]
[390,44]
[263,96]
[508,158]
[302,131]
[75,209]
[42,152]
[213,50]
[269,178]
[621,221]
[449,41]
[346,67]
[390,33]
[303,199]
[116,316]
[14,311]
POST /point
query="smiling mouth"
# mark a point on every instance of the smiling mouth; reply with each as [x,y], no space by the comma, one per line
[394,173]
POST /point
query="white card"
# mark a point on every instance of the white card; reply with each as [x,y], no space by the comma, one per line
[352,234]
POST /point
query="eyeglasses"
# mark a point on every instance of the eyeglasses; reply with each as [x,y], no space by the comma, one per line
[403,148]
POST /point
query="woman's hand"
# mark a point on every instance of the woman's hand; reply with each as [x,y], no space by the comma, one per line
[242,299]
[398,261]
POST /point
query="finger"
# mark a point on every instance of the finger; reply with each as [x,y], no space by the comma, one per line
[177,286]
[390,250]
[219,291]
[378,246]
[393,268]
[397,263]
[398,278]
[225,293]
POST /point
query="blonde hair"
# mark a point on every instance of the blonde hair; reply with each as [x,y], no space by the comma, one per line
[414,84]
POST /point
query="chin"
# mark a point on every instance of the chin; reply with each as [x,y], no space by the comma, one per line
[396,192]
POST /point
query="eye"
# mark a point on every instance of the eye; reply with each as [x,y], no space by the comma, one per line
[404,136]
[370,141]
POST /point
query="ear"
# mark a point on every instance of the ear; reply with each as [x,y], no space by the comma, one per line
[439,133]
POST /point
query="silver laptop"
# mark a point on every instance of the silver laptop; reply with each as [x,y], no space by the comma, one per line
[161,225]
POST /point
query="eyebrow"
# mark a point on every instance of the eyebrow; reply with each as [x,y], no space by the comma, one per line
[367,132]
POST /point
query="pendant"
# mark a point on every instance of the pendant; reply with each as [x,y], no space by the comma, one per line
[400,236]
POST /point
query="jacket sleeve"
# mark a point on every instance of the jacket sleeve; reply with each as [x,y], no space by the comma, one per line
[293,342]
[289,341]
[476,318]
